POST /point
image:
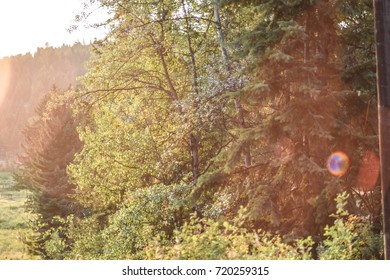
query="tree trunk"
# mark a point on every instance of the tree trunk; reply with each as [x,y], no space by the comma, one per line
[382,25]
[194,144]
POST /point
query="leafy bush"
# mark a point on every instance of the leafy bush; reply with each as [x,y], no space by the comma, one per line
[148,227]
[350,237]
[48,241]
[204,238]
[144,214]
[87,239]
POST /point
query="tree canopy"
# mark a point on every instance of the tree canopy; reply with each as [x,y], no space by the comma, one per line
[234,111]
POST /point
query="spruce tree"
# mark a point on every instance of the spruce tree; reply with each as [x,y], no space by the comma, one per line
[51,141]
[300,108]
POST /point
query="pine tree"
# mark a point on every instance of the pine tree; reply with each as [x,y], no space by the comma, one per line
[51,141]
[300,109]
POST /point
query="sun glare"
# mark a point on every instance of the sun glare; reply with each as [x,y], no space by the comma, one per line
[5,74]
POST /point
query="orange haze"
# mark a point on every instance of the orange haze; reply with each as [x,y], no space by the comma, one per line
[5,75]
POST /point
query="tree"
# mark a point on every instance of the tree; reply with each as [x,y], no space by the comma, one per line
[382,23]
[152,98]
[29,77]
[51,141]
[243,109]
[300,109]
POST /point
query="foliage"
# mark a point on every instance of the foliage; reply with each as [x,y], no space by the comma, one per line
[13,220]
[47,241]
[205,238]
[51,140]
[350,237]
[207,107]
[88,242]
[160,118]
[299,108]
[155,210]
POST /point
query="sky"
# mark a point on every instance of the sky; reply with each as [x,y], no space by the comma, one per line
[26,25]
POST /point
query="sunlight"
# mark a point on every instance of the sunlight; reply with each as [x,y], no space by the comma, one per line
[5,77]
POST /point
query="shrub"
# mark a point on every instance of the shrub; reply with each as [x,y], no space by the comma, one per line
[204,238]
[350,237]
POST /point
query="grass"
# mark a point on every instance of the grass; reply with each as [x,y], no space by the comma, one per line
[13,220]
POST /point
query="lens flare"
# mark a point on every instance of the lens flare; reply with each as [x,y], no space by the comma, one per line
[368,171]
[338,163]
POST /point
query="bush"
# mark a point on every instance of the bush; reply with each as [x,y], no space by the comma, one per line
[204,238]
[87,239]
[148,227]
[144,214]
[350,237]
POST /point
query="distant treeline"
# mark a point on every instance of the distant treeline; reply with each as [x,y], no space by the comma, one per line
[25,79]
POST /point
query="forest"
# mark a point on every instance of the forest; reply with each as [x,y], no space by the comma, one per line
[25,79]
[214,129]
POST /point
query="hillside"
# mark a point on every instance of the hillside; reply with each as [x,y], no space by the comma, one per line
[24,79]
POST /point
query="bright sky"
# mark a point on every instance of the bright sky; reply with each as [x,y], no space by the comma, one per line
[26,25]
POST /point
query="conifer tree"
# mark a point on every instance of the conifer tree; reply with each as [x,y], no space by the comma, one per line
[51,141]
[300,109]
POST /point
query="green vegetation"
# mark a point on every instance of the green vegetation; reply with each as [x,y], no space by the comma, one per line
[202,129]
[53,132]
[13,220]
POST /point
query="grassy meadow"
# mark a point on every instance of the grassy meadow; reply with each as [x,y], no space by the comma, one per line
[13,220]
